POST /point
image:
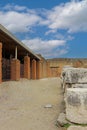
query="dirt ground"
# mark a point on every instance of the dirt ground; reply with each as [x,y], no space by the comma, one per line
[22,104]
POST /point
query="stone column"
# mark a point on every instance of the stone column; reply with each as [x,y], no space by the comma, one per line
[33,69]
[27,67]
[0,62]
[48,69]
[39,72]
[16,52]
[15,69]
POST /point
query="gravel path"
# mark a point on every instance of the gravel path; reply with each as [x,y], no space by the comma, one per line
[22,104]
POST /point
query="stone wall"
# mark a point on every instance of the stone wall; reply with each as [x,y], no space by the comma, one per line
[75,94]
[56,65]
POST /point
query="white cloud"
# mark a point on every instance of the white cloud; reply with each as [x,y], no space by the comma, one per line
[17,21]
[70,16]
[14,7]
[48,48]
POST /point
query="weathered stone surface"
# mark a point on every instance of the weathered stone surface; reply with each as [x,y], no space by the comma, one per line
[76,105]
[62,119]
[48,106]
[77,128]
[74,75]
[79,85]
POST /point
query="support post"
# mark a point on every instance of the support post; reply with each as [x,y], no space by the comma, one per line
[39,72]
[15,69]
[0,62]
[16,52]
[27,67]
[48,69]
[33,69]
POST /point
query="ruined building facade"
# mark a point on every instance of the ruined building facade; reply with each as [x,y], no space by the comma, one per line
[17,61]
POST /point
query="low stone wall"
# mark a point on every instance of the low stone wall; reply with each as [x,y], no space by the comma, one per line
[76,105]
[74,77]
[74,81]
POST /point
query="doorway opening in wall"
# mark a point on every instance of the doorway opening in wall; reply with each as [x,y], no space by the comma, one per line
[22,68]
[6,63]
[6,69]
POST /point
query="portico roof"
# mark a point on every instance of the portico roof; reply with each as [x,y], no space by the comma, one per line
[9,42]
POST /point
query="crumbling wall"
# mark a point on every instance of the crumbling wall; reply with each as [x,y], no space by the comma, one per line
[75,94]
[59,63]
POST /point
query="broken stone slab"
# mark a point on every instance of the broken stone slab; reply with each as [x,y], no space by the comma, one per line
[74,75]
[77,128]
[48,106]
[64,70]
[79,85]
[76,105]
[68,85]
[62,119]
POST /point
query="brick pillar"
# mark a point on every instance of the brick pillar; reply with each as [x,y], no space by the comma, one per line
[27,67]
[33,69]
[15,69]
[0,62]
[39,69]
[48,69]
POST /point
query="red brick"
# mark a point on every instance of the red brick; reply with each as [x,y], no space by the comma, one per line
[33,69]
[39,69]
[27,67]
[15,69]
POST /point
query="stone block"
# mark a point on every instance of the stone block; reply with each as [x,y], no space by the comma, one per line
[62,119]
[77,128]
[79,85]
[74,75]
[76,105]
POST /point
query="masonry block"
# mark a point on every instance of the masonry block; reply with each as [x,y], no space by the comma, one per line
[0,62]
[15,69]
[75,75]
[27,67]
[76,105]
[34,69]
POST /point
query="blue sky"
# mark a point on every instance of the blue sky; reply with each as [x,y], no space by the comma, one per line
[53,28]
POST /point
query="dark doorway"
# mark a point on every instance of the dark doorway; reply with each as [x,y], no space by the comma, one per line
[6,69]
[22,70]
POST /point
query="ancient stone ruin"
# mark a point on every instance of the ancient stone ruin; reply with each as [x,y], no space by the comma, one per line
[74,83]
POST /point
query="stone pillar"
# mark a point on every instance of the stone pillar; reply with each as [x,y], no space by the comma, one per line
[33,69]
[15,69]
[27,67]
[0,62]
[39,69]
[16,52]
[48,69]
